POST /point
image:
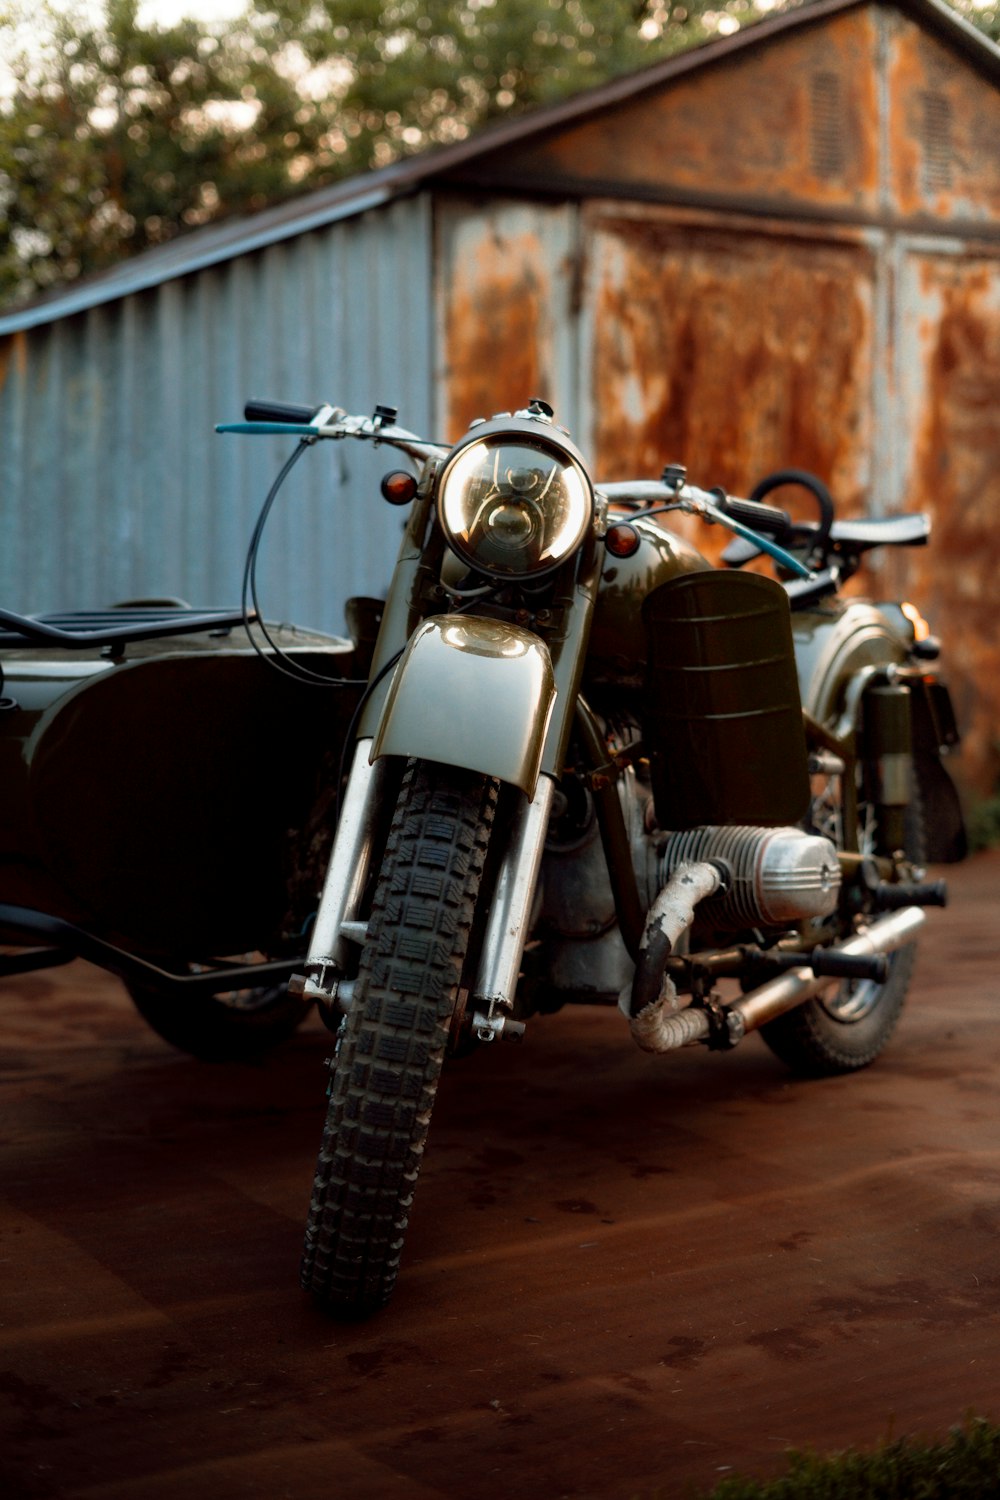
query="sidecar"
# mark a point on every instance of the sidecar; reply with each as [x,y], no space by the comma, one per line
[166,798]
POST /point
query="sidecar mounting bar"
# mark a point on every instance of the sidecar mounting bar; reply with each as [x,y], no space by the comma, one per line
[31,960]
[74,942]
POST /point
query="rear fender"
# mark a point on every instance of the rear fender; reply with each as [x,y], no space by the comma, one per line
[471,692]
[833,648]
[838,650]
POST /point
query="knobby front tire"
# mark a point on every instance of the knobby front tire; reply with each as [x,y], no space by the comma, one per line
[391,1046]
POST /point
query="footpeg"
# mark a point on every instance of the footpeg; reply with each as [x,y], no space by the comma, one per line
[887,897]
[828,963]
[831,963]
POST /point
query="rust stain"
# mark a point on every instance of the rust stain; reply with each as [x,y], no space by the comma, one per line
[736,356]
[792,122]
[956,478]
[13,352]
[496,329]
[944,126]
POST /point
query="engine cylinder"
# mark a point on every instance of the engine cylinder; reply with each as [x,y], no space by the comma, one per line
[778,875]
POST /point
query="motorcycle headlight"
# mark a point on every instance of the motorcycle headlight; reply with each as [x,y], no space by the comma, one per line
[514,501]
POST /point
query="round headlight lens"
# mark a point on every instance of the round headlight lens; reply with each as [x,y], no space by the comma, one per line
[512,507]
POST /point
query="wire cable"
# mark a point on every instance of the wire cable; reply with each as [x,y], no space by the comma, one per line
[280,661]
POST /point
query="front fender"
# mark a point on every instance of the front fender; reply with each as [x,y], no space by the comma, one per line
[471,692]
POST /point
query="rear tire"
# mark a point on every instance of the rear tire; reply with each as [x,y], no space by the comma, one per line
[391,1045]
[846,1027]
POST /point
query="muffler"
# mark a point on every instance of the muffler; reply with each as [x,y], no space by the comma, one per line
[778,995]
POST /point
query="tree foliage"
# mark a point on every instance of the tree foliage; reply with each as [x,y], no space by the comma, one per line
[116,135]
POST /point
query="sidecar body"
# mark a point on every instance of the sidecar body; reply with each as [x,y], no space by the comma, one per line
[168,792]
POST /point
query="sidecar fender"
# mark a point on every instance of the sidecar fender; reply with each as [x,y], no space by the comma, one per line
[471,692]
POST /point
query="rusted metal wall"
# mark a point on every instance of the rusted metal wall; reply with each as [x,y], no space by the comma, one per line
[949,386]
[783,249]
[719,346]
[787,125]
[789,257]
[505,290]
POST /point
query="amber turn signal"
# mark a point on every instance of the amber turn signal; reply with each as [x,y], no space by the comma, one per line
[398,487]
[622,540]
[921,629]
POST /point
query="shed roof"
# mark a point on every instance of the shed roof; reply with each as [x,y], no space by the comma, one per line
[353,196]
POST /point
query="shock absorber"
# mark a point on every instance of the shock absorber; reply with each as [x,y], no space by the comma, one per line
[888,750]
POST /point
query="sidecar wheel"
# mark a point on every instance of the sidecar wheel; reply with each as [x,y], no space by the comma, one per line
[222,1028]
[391,1045]
[849,1025]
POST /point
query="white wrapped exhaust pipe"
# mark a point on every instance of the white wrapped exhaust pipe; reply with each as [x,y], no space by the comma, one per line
[650,1001]
[665,1029]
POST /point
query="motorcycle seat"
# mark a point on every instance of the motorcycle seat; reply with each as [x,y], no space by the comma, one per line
[881,531]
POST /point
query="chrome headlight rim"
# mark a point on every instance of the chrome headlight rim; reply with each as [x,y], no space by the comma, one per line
[540,437]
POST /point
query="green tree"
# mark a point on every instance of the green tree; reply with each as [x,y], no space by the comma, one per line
[116,136]
[408,74]
[984,14]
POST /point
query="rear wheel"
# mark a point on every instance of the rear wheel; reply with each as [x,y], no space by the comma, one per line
[847,1026]
[391,1045]
[230,1027]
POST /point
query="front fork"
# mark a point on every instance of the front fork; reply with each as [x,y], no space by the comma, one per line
[340,921]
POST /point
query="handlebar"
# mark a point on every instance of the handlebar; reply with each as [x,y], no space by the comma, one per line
[746,518]
[770,519]
[711,505]
[271,418]
[279,411]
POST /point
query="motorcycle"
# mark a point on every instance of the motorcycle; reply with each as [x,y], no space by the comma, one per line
[566,759]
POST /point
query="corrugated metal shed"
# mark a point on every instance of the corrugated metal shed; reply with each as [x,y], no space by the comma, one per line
[114,484]
[783,247]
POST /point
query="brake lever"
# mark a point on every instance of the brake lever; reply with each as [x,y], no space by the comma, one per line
[698,502]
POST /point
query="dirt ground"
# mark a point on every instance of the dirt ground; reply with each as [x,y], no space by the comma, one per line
[623,1272]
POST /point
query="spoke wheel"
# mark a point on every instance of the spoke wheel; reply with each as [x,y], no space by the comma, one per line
[391,1046]
[847,1026]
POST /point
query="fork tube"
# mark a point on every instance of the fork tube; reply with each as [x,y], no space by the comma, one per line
[349,863]
[510,910]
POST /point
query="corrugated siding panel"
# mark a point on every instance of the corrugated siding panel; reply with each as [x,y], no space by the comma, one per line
[113,483]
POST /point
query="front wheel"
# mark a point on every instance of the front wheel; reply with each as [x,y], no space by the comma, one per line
[391,1045]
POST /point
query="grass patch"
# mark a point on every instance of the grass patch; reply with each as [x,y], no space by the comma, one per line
[965,1466]
[982,824]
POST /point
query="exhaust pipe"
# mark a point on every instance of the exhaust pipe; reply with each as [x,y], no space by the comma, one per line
[785,992]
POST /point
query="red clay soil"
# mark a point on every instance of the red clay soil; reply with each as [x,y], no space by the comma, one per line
[623,1272]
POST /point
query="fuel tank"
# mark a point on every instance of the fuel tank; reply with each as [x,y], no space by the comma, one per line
[618,647]
[156,799]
